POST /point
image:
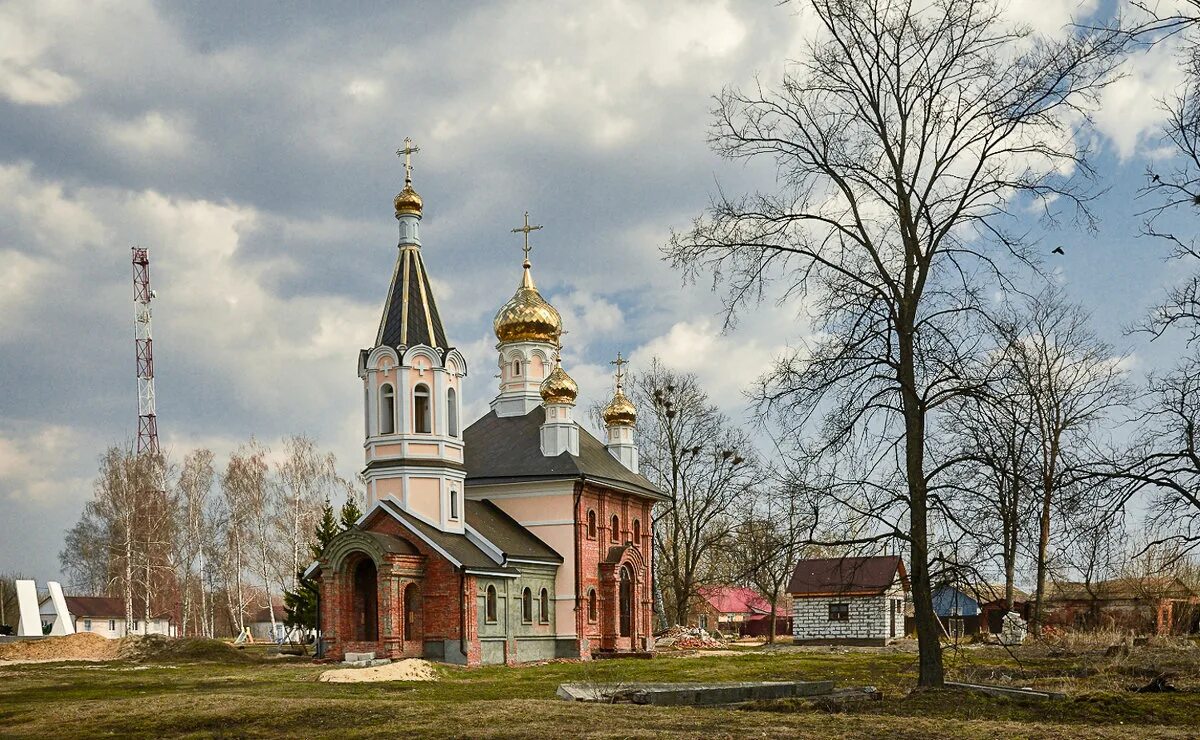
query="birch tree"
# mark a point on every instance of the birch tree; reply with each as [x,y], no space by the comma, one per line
[305,478]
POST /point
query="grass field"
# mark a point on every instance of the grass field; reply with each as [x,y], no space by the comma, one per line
[260,698]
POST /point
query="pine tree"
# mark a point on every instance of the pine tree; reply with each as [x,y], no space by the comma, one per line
[301,604]
[350,512]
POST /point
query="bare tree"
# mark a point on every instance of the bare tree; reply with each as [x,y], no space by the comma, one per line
[1073,381]
[304,477]
[688,448]
[194,543]
[905,138]
[244,497]
[85,557]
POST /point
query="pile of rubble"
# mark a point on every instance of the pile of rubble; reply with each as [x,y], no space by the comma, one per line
[688,638]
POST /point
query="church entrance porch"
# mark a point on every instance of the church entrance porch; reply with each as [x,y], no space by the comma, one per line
[623,627]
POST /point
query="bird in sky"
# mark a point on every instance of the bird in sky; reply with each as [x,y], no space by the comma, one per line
[1058,250]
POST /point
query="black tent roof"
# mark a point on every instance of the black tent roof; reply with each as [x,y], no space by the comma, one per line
[410,315]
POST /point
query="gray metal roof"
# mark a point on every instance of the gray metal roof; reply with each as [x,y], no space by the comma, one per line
[507,534]
[508,450]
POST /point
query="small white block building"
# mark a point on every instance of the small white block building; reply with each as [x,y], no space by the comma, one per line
[850,600]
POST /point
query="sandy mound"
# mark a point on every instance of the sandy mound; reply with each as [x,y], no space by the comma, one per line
[156,649]
[409,669]
[79,646]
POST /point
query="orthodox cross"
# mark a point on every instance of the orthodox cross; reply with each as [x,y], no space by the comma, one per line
[407,153]
[619,362]
[526,229]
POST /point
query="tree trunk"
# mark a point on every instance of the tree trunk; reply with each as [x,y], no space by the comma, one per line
[1043,548]
[929,644]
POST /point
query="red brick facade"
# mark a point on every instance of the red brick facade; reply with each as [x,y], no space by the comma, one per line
[601,557]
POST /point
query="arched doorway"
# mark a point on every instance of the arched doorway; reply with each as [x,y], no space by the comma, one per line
[626,601]
[366,601]
[412,608]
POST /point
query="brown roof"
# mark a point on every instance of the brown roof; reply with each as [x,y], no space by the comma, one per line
[1154,587]
[986,593]
[109,607]
[861,576]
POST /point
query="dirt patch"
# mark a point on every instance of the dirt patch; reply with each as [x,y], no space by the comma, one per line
[409,669]
[158,649]
[79,646]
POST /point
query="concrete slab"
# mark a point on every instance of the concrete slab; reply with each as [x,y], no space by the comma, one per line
[62,618]
[27,600]
[692,694]
[1006,691]
[356,657]
[366,663]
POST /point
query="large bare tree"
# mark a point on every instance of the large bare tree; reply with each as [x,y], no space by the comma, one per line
[305,478]
[690,450]
[906,139]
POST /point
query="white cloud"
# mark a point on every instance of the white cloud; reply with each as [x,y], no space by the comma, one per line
[1131,111]
[154,134]
[25,77]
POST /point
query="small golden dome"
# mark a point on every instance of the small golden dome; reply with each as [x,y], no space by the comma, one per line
[558,387]
[408,202]
[619,411]
[527,317]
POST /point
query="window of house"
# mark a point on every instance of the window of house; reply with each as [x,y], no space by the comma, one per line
[422,418]
[112,625]
[527,605]
[87,625]
[591,525]
[516,367]
[956,628]
[637,533]
[544,607]
[452,412]
[135,625]
[703,621]
[387,409]
[591,605]
[839,612]
[454,504]
[615,535]
[490,605]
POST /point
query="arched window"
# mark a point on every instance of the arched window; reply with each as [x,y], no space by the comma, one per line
[592,605]
[387,409]
[516,368]
[422,418]
[544,607]
[452,412]
[526,605]
[615,534]
[489,614]
[591,525]
[453,504]
[637,533]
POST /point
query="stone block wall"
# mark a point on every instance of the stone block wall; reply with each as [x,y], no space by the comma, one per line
[869,618]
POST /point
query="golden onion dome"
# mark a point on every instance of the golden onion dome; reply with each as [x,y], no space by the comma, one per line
[408,202]
[558,387]
[620,411]
[527,317]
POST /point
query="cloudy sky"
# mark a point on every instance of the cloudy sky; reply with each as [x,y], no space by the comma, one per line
[251,148]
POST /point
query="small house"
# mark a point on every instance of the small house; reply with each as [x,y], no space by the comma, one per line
[261,626]
[105,616]
[737,610]
[848,600]
[973,608]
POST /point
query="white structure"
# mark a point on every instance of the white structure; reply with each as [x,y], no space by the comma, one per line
[62,620]
[30,624]
[851,600]
[105,616]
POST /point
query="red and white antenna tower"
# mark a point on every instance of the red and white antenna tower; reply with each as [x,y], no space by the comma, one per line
[147,439]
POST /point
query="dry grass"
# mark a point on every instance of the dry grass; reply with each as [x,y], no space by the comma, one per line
[261,699]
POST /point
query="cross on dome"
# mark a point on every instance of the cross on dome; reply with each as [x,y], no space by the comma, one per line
[409,149]
[619,362]
[525,230]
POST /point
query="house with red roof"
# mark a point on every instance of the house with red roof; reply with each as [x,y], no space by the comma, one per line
[848,600]
[737,610]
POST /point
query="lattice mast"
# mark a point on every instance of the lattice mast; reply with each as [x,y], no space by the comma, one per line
[147,437]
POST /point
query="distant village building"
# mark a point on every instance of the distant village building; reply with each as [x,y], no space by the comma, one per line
[738,610]
[105,616]
[850,600]
[1158,605]
[975,608]
[261,627]
[519,537]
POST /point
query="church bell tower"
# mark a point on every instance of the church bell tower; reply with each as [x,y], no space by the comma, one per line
[412,387]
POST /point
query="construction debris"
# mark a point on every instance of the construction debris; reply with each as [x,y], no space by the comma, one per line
[1005,691]
[688,638]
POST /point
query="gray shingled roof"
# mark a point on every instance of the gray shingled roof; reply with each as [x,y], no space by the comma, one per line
[461,550]
[508,450]
[507,534]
